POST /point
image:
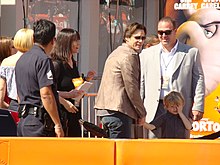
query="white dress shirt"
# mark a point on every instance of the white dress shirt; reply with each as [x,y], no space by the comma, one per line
[166,66]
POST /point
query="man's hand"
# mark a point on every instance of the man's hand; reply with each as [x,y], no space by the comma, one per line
[197,115]
[141,121]
[59,131]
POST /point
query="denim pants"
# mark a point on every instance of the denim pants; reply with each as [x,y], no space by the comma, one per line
[118,125]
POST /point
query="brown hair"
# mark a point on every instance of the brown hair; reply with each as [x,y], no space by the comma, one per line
[168,19]
[173,97]
[63,45]
[5,47]
[151,41]
[130,30]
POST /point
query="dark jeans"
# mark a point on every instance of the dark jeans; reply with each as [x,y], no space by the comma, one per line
[32,126]
[118,125]
[74,128]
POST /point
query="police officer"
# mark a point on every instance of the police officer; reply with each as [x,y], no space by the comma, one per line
[37,95]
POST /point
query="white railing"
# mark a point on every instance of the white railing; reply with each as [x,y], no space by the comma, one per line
[88,111]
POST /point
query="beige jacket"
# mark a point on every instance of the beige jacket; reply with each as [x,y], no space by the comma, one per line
[120,85]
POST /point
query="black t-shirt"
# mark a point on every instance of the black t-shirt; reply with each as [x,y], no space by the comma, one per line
[64,75]
[171,125]
[34,70]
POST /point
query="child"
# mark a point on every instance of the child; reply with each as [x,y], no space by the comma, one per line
[173,123]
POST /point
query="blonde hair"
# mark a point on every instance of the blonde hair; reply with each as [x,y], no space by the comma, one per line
[173,97]
[23,39]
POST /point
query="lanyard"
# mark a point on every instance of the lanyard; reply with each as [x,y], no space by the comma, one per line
[166,65]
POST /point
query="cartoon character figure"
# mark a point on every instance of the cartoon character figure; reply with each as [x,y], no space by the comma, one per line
[202,30]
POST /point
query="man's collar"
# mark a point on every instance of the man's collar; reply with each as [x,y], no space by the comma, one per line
[132,50]
[173,49]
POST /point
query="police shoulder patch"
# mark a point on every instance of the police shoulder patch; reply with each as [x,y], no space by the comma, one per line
[49,75]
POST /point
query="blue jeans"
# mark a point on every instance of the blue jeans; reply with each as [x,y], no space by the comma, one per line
[118,125]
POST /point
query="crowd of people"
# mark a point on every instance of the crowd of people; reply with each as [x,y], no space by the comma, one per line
[155,82]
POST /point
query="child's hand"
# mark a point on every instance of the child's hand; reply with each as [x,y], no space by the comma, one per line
[179,108]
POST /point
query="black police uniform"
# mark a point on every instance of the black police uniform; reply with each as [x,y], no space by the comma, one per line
[33,71]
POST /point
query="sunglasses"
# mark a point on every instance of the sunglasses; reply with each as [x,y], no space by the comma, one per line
[166,32]
[140,37]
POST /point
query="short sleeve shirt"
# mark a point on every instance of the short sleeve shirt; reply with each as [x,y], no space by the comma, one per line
[7,73]
[34,70]
[171,126]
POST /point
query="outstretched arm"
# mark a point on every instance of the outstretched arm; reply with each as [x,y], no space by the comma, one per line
[70,94]
[68,105]
[149,126]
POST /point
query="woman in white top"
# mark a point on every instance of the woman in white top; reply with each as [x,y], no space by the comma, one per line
[23,41]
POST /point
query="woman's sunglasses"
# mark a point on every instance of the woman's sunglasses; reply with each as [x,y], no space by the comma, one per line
[140,37]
